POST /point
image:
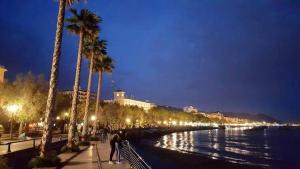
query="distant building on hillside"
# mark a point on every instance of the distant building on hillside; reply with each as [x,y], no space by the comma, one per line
[217,115]
[82,94]
[2,73]
[190,109]
[120,98]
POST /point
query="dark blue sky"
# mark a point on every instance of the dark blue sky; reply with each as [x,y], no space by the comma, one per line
[235,55]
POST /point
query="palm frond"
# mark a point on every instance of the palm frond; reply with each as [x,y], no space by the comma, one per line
[86,21]
[104,64]
[73,28]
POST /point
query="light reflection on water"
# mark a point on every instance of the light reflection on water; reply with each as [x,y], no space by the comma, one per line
[178,141]
[232,145]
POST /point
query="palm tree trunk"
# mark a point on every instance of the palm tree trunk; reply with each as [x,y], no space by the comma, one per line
[49,114]
[97,101]
[73,118]
[87,102]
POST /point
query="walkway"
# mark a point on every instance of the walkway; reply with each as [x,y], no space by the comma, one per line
[104,150]
[87,159]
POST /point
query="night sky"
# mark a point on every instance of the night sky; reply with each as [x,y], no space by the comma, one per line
[218,55]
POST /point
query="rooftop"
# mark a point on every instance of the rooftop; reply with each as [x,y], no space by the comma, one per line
[2,67]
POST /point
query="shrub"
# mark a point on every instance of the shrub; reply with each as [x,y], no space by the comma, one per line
[66,149]
[51,160]
[3,164]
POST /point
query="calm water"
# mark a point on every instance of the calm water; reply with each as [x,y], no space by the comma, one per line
[270,148]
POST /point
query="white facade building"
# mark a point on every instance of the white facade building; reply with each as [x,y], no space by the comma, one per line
[190,109]
[120,98]
[82,94]
[2,73]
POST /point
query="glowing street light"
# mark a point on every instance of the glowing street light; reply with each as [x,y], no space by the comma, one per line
[12,109]
[93,118]
[57,118]
[128,120]
[66,114]
[174,122]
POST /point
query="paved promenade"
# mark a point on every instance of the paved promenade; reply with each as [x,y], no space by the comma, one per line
[88,159]
[104,151]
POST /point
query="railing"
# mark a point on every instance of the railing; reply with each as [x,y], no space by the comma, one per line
[34,140]
[134,159]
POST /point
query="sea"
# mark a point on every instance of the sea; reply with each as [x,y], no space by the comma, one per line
[267,148]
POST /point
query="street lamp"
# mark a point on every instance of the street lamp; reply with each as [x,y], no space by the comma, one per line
[93,118]
[12,109]
[66,114]
[128,120]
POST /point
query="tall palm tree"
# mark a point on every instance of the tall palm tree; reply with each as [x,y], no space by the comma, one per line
[49,113]
[82,24]
[92,45]
[103,64]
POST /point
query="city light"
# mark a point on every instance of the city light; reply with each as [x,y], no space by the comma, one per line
[13,108]
[128,120]
[66,114]
[57,118]
[93,118]
[40,124]
[174,122]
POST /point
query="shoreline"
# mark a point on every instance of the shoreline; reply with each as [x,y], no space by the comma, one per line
[173,159]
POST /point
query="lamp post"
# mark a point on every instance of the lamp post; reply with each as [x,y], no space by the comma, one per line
[128,121]
[93,118]
[66,114]
[12,109]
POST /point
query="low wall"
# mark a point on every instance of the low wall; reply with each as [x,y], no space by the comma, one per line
[19,159]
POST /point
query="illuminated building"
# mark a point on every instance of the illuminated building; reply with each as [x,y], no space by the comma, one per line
[2,73]
[190,109]
[120,98]
[82,94]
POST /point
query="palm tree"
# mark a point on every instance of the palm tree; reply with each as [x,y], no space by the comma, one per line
[103,64]
[92,45]
[49,113]
[82,24]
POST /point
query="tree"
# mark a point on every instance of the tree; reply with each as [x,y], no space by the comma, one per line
[81,24]
[91,46]
[49,113]
[103,64]
[29,92]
